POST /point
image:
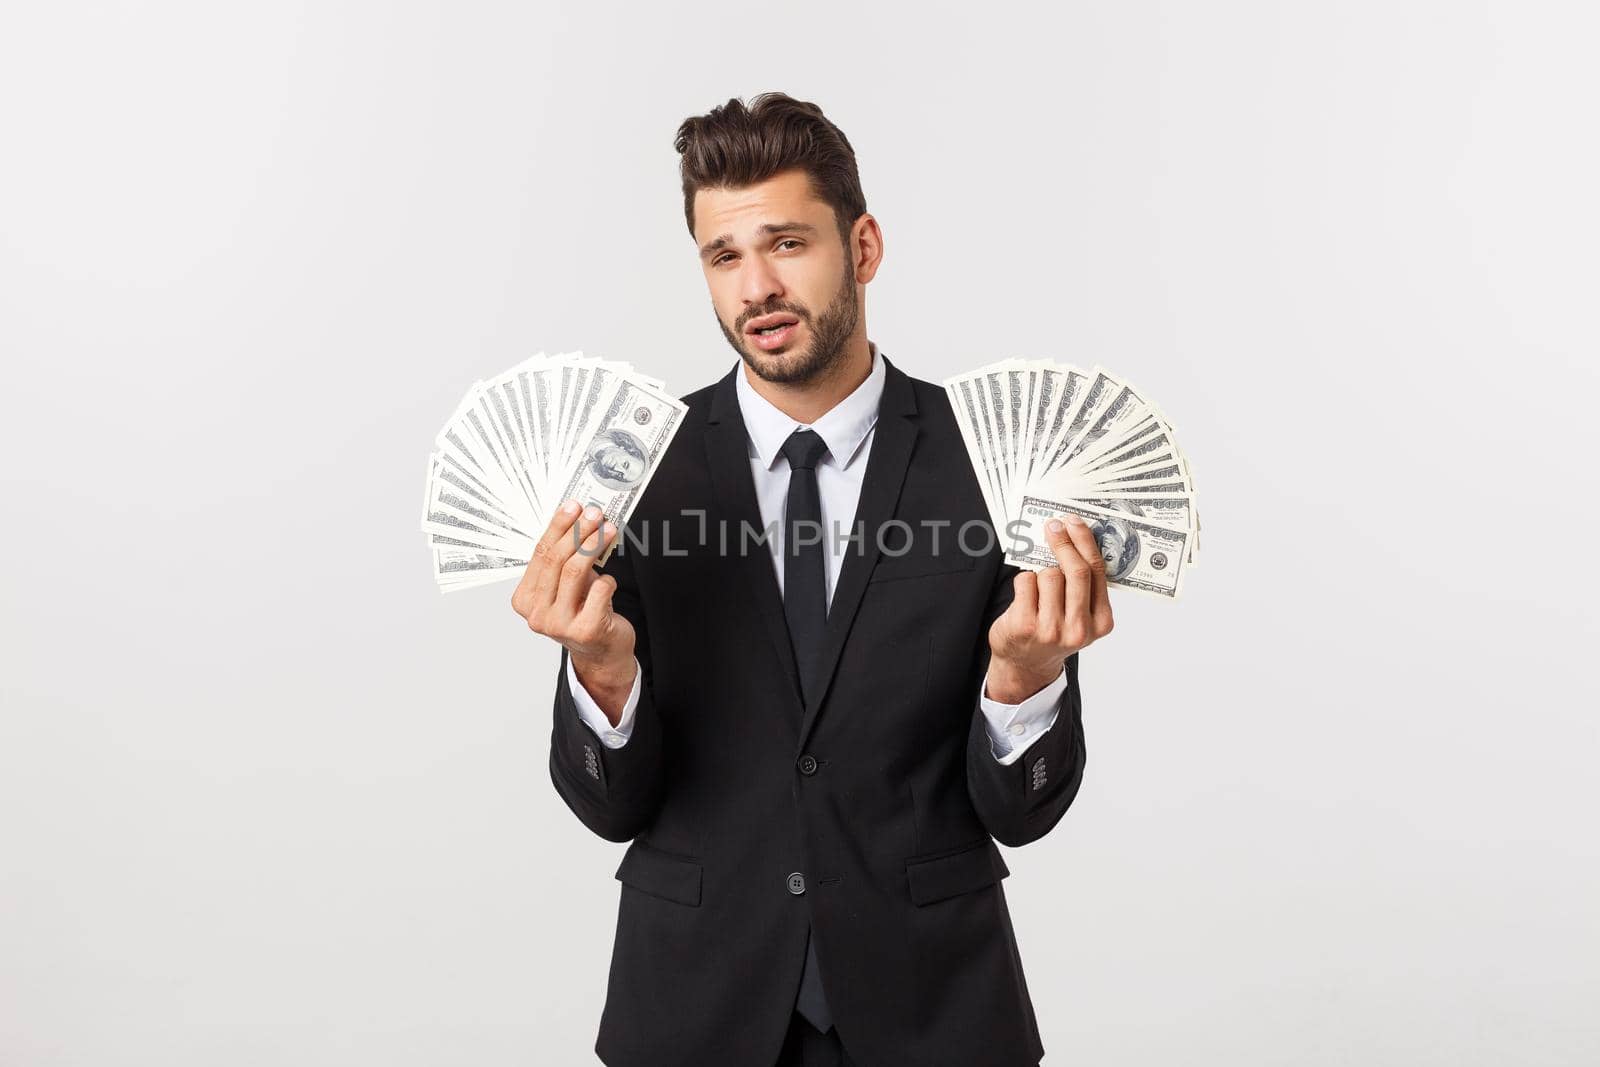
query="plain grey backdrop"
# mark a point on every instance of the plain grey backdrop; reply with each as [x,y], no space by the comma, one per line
[268,797]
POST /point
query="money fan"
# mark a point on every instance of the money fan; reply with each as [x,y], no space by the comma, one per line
[549,429]
[1048,439]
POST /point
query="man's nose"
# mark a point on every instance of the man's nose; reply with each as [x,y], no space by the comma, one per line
[758,282]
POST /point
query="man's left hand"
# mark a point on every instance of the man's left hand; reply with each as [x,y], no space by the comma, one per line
[1053,614]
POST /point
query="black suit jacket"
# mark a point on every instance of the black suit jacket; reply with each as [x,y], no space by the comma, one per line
[881,792]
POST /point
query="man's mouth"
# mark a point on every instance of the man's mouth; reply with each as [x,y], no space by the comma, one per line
[771,331]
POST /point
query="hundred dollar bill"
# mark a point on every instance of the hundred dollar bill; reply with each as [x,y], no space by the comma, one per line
[456,567]
[1173,512]
[1094,395]
[1069,393]
[993,398]
[446,468]
[595,391]
[964,402]
[621,454]
[1126,436]
[1175,470]
[1139,554]
[1121,413]
[447,510]
[1066,485]
[1157,448]
[1059,386]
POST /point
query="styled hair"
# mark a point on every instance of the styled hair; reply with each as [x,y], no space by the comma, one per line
[735,145]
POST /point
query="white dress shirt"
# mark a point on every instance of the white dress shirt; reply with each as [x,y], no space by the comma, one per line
[847,430]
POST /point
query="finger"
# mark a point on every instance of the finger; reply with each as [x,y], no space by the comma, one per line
[578,573]
[555,530]
[591,621]
[548,588]
[560,521]
[1052,595]
[1089,550]
[1025,595]
[1100,600]
[1020,615]
[531,591]
[1075,567]
[1101,619]
[1058,534]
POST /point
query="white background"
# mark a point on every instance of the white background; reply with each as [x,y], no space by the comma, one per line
[267,797]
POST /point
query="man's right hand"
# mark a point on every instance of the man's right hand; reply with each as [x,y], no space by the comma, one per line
[562,596]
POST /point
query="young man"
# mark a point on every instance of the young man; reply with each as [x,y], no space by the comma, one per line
[813,741]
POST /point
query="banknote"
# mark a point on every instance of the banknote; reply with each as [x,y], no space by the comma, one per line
[1039,430]
[622,452]
[518,444]
[1138,554]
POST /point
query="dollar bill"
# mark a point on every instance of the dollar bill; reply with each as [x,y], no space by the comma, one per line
[1139,554]
[622,453]
[1090,439]
[549,428]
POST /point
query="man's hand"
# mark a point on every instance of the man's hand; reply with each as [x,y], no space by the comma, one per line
[1053,614]
[563,597]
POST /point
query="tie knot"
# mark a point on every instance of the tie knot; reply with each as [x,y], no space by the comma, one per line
[803,449]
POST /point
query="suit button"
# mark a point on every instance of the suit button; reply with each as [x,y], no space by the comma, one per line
[797,883]
[808,764]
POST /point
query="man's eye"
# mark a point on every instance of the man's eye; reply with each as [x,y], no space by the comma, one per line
[728,255]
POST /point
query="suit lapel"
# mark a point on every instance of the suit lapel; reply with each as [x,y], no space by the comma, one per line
[893,440]
[728,459]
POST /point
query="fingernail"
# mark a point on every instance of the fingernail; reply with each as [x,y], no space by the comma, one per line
[1053,526]
[570,507]
[1075,520]
[591,512]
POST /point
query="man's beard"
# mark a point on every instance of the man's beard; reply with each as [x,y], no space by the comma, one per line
[830,334]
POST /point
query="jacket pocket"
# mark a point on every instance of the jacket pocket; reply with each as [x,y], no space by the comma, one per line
[660,874]
[921,565]
[937,877]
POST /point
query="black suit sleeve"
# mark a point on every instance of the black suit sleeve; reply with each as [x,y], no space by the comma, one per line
[1023,801]
[616,792]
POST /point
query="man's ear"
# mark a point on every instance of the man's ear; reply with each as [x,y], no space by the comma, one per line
[865,248]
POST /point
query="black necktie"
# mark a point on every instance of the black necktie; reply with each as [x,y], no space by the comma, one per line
[805,598]
[805,605]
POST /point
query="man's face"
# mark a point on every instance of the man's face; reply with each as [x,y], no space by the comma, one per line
[774,249]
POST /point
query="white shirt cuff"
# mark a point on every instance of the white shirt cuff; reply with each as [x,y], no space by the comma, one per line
[1013,728]
[610,736]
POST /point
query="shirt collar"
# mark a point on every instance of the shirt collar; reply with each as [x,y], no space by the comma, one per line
[842,427]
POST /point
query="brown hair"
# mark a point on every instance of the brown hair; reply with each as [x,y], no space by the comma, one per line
[734,146]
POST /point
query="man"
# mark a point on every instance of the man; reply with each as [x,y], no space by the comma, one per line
[812,742]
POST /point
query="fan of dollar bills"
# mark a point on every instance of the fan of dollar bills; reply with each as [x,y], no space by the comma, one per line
[548,429]
[1048,439]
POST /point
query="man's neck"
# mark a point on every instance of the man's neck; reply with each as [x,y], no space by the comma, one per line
[806,402]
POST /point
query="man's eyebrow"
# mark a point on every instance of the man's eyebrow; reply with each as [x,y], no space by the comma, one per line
[765,230]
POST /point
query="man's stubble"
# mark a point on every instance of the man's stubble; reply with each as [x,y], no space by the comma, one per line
[830,336]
